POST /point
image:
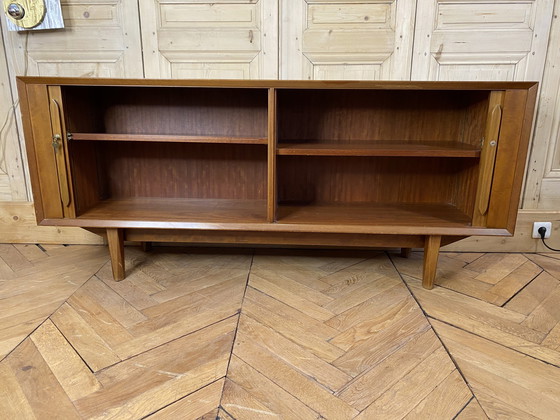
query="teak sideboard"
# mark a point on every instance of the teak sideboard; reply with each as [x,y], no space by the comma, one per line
[308,163]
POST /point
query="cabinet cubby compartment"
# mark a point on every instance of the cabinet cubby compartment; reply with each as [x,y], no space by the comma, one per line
[181,182]
[178,154]
[376,191]
[436,123]
[160,114]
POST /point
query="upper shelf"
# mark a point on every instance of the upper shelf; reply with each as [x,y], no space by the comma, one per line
[168,138]
[377,148]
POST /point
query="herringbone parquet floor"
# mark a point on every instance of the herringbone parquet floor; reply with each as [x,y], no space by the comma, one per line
[245,334]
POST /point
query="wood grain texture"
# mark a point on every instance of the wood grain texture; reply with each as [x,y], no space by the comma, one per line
[364,148]
[488,158]
[365,115]
[115,239]
[42,151]
[431,254]
[318,333]
[272,182]
[18,224]
[167,138]
[505,178]
[327,84]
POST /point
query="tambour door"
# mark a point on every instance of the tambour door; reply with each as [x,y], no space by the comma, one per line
[47,149]
[503,157]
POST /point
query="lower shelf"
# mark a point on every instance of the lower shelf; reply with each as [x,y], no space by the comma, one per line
[179,210]
[250,216]
[366,214]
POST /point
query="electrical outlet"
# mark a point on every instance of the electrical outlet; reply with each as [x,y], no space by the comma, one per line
[546,225]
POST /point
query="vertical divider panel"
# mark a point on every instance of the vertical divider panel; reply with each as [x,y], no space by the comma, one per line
[271,204]
[61,151]
[488,157]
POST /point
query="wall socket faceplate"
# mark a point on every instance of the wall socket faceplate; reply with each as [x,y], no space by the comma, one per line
[537,225]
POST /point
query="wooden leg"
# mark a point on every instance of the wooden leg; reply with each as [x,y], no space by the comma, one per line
[146,246]
[115,238]
[431,253]
[405,252]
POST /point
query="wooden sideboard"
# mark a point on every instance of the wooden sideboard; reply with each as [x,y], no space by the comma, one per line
[361,164]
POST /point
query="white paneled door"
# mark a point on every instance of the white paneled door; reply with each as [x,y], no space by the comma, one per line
[542,189]
[101,39]
[12,179]
[481,39]
[346,39]
[202,39]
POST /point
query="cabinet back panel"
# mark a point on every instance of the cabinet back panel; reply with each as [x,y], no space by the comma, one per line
[377,180]
[180,111]
[170,170]
[338,116]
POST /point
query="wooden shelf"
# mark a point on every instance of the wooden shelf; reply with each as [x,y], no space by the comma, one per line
[381,148]
[374,214]
[168,138]
[179,210]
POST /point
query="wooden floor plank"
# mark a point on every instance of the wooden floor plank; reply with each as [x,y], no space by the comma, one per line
[391,293]
[13,401]
[302,359]
[91,347]
[196,405]
[31,252]
[42,390]
[498,409]
[445,401]
[391,338]
[303,388]
[413,388]
[496,324]
[13,258]
[506,375]
[472,411]
[369,386]
[143,384]
[66,365]
[301,285]
[503,267]
[242,405]
[375,321]
[286,296]
[529,298]
[89,303]
[268,392]
[550,265]
[35,291]
[298,327]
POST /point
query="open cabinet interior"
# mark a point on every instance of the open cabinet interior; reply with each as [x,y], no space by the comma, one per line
[379,157]
[180,154]
[234,115]
[343,156]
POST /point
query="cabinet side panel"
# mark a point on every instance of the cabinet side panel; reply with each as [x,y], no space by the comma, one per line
[506,184]
[30,148]
[38,103]
[522,156]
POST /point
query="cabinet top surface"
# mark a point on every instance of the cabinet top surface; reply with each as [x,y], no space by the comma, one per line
[286,84]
